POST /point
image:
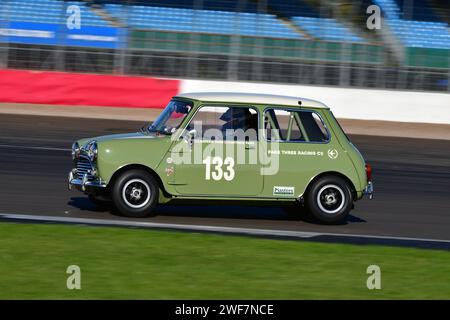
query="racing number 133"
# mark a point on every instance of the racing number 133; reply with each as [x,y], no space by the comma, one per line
[217,172]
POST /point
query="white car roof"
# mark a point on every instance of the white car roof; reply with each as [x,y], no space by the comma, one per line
[256,98]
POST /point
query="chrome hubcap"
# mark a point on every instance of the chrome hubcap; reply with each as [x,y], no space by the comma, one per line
[136,193]
[330,199]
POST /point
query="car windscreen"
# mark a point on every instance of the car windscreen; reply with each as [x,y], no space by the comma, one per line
[171,117]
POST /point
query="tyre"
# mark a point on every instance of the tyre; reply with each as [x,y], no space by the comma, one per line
[329,200]
[135,194]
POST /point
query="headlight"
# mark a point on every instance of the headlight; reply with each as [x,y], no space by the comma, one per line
[91,150]
[75,150]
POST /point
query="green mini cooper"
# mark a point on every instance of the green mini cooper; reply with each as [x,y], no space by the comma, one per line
[267,149]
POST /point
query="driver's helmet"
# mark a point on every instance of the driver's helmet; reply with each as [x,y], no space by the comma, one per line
[180,110]
[183,108]
[236,118]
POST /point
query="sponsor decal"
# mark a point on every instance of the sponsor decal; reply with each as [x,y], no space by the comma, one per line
[313,153]
[27,33]
[92,37]
[283,191]
[169,160]
[332,153]
[169,171]
[53,34]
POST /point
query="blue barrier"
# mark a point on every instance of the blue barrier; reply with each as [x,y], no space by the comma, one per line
[59,34]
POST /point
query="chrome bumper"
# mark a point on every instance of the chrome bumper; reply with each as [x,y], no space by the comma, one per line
[368,190]
[83,184]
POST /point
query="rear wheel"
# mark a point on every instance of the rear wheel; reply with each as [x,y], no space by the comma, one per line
[329,200]
[135,193]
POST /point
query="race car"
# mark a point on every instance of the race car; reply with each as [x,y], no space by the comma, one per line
[227,147]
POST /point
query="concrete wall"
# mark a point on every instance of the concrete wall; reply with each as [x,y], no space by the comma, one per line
[387,105]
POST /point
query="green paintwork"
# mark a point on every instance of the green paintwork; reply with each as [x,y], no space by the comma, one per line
[188,181]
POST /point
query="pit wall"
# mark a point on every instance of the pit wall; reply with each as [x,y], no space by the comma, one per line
[58,88]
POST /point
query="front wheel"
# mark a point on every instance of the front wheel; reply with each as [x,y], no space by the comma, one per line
[329,200]
[135,194]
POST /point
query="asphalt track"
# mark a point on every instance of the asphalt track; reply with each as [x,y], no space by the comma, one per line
[411,176]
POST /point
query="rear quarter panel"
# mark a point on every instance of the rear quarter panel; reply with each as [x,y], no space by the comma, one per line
[301,162]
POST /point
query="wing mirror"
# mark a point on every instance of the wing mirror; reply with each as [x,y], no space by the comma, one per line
[192,133]
[189,136]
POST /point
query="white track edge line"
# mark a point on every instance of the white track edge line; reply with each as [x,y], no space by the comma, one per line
[298,234]
[234,230]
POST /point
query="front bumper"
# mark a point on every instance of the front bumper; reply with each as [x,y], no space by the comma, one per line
[84,184]
[368,190]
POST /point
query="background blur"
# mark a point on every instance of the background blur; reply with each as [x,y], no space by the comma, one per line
[314,42]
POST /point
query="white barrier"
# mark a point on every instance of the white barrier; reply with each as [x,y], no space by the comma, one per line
[365,104]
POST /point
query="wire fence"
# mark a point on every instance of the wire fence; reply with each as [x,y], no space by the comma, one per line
[220,67]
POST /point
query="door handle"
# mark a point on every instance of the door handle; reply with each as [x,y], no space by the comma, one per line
[249,146]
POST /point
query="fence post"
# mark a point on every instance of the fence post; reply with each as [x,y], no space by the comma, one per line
[344,70]
[59,59]
[448,78]
[120,51]
[4,43]
[235,44]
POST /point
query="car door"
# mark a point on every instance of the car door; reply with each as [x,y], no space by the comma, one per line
[301,140]
[218,154]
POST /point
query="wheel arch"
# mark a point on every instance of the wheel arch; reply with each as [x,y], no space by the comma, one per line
[135,166]
[333,174]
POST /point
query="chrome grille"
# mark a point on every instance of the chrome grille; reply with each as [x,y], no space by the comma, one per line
[83,165]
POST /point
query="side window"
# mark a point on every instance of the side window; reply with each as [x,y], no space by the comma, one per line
[225,123]
[314,126]
[277,123]
[294,126]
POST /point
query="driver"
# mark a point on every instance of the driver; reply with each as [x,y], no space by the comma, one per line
[236,118]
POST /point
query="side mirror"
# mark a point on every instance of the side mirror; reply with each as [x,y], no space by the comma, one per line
[193,133]
[189,136]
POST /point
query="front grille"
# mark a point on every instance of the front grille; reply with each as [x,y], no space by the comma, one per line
[83,165]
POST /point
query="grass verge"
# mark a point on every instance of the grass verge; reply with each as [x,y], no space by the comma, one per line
[124,263]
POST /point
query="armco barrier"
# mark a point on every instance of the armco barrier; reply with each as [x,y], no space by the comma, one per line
[60,88]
